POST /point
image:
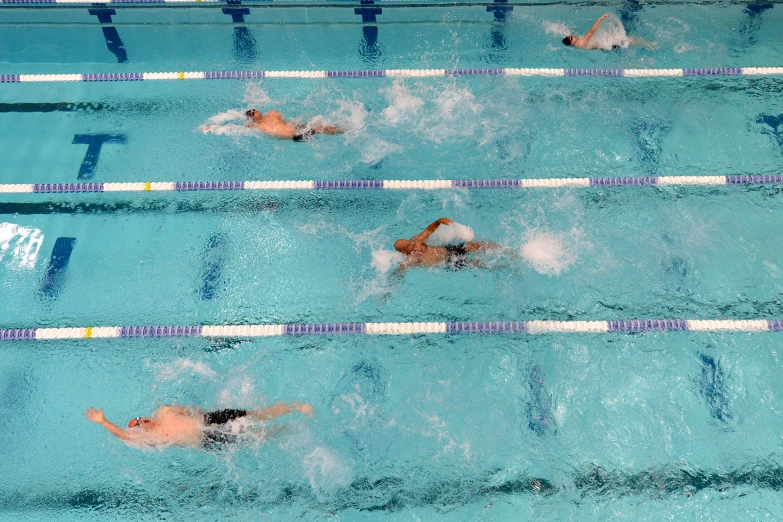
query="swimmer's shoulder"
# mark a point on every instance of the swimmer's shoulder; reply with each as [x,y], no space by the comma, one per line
[179,410]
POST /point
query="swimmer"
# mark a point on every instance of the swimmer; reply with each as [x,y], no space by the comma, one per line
[189,426]
[418,253]
[586,41]
[275,125]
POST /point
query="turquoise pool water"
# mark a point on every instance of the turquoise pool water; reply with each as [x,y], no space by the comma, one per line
[683,425]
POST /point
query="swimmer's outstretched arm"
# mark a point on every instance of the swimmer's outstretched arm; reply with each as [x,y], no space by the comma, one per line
[427,232]
[97,416]
[280,409]
[593,29]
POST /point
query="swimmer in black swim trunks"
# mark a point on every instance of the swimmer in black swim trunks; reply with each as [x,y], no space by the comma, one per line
[458,256]
[189,426]
[274,124]
[586,42]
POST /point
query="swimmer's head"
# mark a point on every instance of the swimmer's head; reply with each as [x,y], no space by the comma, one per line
[254,114]
[570,39]
[140,422]
[402,245]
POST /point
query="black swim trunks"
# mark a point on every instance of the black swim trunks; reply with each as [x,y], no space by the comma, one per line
[304,135]
[457,256]
[214,420]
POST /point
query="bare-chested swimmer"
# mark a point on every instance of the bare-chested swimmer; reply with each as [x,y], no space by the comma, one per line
[274,124]
[189,426]
[587,42]
[419,253]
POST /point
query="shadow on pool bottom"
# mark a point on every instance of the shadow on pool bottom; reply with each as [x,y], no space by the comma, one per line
[395,493]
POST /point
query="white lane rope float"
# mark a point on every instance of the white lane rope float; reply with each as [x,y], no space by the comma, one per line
[399,328]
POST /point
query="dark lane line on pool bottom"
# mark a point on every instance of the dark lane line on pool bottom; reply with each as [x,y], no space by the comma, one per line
[712,388]
[393,493]
[146,207]
[213,282]
[54,279]
[54,107]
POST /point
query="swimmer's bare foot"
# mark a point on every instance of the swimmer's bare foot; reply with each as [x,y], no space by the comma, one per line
[650,46]
[274,432]
[303,408]
[280,409]
[328,129]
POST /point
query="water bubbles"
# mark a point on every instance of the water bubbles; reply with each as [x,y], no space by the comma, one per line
[547,253]
[22,243]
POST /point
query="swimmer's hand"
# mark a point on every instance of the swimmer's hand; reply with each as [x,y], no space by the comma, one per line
[94,415]
[445,221]
[306,409]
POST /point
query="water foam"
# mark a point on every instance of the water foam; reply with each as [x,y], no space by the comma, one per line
[547,253]
[256,96]
[456,115]
[557,29]
[180,367]
[239,389]
[384,260]
[610,34]
[20,245]
[377,149]
[351,116]
[326,471]
[403,105]
[435,113]
[230,123]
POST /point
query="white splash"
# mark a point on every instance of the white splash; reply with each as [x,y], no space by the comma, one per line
[456,113]
[683,47]
[402,104]
[610,34]
[180,367]
[359,406]
[453,101]
[229,123]
[239,389]
[439,428]
[255,96]
[385,260]
[326,471]
[557,28]
[350,115]
[547,254]
[20,244]
[456,232]
[376,149]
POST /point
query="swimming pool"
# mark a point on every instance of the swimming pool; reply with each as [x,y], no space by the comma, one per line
[594,423]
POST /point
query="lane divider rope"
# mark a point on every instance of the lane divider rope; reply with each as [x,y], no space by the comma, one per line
[354,184]
[393,73]
[270,330]
[94,2]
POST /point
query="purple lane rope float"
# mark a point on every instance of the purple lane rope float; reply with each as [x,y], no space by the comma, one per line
[272,330]
[391,73]
[354,184]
